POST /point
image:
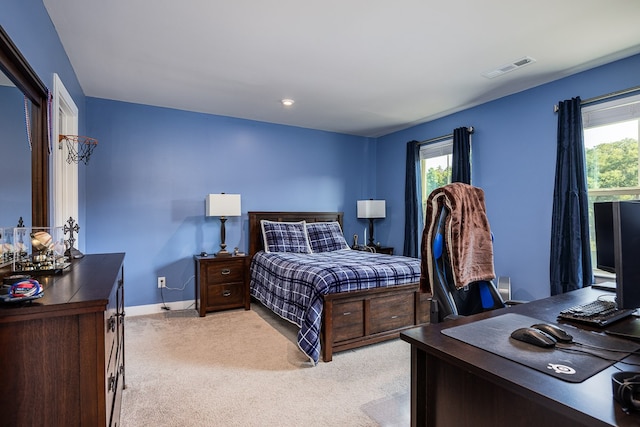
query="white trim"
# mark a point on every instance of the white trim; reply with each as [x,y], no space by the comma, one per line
[141,310]
[65,175]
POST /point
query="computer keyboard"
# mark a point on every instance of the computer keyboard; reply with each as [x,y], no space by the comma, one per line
[596,313]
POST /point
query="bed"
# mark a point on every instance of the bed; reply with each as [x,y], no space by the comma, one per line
[334,315]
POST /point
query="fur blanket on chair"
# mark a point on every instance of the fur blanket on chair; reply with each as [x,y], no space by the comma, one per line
[467,237]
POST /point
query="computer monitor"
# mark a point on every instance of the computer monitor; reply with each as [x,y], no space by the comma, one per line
[603,225]
[619,225]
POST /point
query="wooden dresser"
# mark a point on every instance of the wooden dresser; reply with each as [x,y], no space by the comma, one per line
[62,356]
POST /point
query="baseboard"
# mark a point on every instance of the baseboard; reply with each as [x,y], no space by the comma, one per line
[141,310]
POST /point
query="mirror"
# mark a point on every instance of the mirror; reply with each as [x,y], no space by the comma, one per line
[15,182]
[19,72]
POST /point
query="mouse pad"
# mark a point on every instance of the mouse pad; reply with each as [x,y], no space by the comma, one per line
[569,362]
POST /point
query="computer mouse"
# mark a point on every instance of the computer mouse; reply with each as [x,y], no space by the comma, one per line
[559,334]
[534,336]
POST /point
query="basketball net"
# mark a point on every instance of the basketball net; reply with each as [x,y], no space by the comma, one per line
[79,148]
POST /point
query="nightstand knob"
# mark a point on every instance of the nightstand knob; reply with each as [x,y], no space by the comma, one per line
[226,271]
[226,293]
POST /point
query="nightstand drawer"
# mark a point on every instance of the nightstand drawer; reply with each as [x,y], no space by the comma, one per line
[228,294]
[230,271]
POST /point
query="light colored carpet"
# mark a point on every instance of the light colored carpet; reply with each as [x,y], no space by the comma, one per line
[243,368]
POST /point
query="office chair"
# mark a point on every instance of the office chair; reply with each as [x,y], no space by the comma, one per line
[450,302]
[456,225]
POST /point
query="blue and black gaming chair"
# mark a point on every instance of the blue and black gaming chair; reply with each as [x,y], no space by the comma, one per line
[448,301]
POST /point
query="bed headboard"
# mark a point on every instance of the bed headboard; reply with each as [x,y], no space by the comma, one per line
[255,231]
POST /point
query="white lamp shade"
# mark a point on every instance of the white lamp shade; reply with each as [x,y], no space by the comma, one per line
[371,209]
[223,205]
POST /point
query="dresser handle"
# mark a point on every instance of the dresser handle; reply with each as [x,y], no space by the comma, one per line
[226,293]
[394,317]
[346,313]
[111,323]
[112,382]
[226,271]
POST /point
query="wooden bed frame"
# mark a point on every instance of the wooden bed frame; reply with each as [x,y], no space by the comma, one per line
[357,318]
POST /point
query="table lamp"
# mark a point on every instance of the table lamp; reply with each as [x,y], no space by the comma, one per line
[371,209]
[223,205]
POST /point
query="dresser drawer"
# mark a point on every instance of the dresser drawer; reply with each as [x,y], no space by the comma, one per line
[348,320]
[228,294]
[230,271]
[392,312]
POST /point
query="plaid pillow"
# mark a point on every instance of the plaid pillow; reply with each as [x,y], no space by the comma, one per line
[326,237]
[285,237]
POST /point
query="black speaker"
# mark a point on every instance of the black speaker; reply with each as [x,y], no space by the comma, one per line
[626,390]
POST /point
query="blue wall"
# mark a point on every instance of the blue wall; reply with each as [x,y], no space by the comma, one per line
[514,155]
[148,178]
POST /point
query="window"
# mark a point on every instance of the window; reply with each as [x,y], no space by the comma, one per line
[435,167]
[611,149]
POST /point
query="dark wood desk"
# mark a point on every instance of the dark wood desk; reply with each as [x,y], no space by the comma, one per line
[456,384]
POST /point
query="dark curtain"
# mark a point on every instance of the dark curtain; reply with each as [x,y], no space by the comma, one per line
[461,168]
[413,202]
[570,263]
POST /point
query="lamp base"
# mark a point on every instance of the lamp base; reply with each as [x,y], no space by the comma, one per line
[223,253]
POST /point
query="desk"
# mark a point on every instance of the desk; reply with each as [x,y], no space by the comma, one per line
[456,384]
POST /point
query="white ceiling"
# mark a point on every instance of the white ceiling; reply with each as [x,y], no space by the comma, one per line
[362,67]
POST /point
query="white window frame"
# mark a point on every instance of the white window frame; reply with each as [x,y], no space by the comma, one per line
[64,121]
[430,151]
[608,113]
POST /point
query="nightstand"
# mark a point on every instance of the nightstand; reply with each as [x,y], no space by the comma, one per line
[222,283]
[384,250]
[377,249]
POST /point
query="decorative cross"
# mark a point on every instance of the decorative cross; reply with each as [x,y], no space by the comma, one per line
[70,229]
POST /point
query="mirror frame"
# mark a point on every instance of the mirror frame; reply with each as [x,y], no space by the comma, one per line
[18,70]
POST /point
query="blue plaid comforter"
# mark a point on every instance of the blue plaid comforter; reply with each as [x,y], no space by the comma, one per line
[292,284]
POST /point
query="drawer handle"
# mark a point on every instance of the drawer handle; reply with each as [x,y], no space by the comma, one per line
[111,324]
[346,313]
[112,382]
[226,271]
[226,293]
[394,317]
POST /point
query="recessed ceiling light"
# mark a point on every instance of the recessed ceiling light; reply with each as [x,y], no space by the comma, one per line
[287,102]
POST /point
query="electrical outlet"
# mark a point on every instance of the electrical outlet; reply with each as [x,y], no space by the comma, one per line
[162,282]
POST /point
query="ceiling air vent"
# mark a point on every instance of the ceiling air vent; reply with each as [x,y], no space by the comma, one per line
[503,69]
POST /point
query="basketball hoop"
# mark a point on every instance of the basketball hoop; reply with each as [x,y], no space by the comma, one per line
[79,147]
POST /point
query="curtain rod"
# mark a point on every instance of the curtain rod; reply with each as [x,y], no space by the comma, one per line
[440,138]
[604,97]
